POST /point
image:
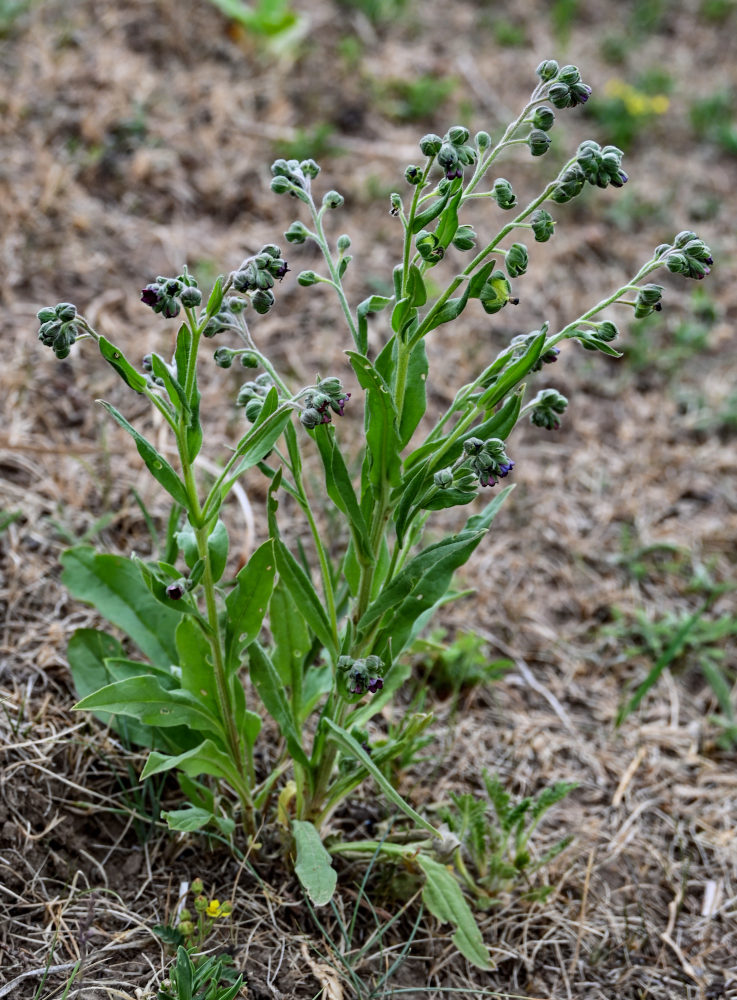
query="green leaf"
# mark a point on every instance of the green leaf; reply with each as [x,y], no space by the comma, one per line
[271,691]
[256,444]
[512,375]
[415,399]
[431,212]
[198,673]
[246,604]
[216,298]
[147,700]
[443,897]
[206,758]
[156,464]
[347,742]
[340,488]
[373,304]
[382,437]
[115,357]
[174,388]
[292,639]
[185,973]
[416,286]
[303,592]
[217,548]
[448,225]
[114,586]
[314,866]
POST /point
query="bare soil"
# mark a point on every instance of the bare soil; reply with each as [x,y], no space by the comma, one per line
[136,136]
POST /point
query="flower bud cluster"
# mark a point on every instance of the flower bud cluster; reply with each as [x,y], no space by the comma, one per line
[225,317]
[252,395]
[601,167]
[361,676]
[256,276]
[488,460]
[166,294]
[327,395]
[688,255]
[58,328]
[567,90]
[293,176]
[453,152]
[547,406]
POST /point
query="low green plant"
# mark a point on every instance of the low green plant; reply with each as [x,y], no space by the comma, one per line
[494,833]
[200,978]
[342,613]
[415,100]
[713,120]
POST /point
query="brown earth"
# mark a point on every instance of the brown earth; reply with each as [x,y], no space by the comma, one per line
[136,136]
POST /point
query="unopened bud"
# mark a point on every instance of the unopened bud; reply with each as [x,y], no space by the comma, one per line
[547,69]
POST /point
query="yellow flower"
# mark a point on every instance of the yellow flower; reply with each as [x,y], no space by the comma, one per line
[214,909]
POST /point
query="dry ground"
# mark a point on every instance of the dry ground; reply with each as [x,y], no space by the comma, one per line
[137,135]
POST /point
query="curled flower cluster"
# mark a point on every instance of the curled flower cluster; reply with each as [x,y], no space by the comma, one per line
[546,407]
[362,675]
[293,176]
[256,276]
[488,460]
[687,255]
[453,152]
[567,89]
[167,295]
[598,166]
[327,395]
[58,328]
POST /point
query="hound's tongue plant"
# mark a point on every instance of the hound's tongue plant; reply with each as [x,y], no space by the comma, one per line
[338,628]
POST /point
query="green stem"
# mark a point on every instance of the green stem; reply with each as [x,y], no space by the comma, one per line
[323,244]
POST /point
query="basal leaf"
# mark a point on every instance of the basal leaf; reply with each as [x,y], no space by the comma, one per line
[443,897]
[314,866]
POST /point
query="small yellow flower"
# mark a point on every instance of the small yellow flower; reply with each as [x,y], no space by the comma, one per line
[214,909]
[660,104]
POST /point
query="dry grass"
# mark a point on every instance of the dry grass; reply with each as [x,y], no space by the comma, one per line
[126,149]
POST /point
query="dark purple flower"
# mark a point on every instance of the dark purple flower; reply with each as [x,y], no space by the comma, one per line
[375,684]
[175,591]
[150,295]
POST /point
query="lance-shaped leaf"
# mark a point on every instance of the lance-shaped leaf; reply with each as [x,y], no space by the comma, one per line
[206,758]
[146,699]
[173,386]
[314,866]
[382,437]
[292,640]
[156,464]
[443,897]
[246,604]
[452,308]
[415,397]
[256,444]
[509,378]
[340,488]
[432,211]
[115,357]
[448,225]
[114,586]
[373,304]
[271,691]
[303,592]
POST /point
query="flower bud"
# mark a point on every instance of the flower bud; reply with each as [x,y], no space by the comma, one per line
[297,232]
[332,199]
[253,410]
[413,175]
[443,478]
[281,185]
[344,242]
[430,144]
[448,160]
[547,406]
[516,260]
[684,237]
[47,315]
[307,278]
[457,134]
[648,300]
[473,445]
[200,904]
[543,225]
[185,927]
[262,300]
[465,238]
[249,359]
[197,887]
[66,311]
[547,69]
[539,142]
[496,293]
[428,247]
[224,357]
[570,183]
[559,96]
[190,297]
[309,168]
[607,331]
[482,140]
[569,75]
[579,94]
[311,418]
[543,118]
[503,194]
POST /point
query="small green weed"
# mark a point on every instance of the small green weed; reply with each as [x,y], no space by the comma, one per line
[271,20]
[415,100]
[378,11]
[713,120]
[205,978]
[316,140]
[463,663]
[494,835]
